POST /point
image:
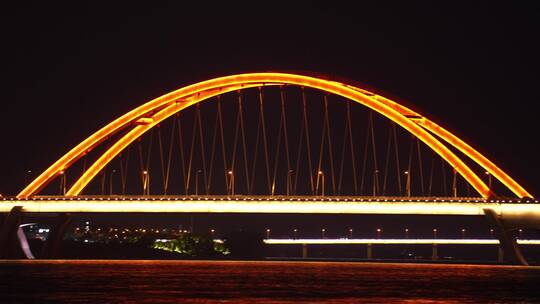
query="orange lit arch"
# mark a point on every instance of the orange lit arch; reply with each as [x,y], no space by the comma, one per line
[153,112]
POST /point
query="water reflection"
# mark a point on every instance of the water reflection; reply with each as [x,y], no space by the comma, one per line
[263,282]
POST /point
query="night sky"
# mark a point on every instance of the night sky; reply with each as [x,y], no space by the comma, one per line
[71,69]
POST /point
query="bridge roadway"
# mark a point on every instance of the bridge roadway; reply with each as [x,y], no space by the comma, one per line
[393,241]
[506,208]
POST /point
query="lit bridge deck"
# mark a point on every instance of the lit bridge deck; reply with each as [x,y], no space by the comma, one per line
[393,241]
[273,204]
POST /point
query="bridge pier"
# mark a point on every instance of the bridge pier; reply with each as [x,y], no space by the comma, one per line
[508,245]
[304,251]
[500,254]
[434,252]
[8,235]
[56,233]
[369,251]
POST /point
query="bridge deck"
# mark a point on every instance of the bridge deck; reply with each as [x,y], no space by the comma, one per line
[272,204]
[394,241]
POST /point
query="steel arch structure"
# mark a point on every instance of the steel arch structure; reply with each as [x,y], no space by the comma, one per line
[148,115]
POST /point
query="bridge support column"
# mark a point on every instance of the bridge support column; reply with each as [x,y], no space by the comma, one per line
[500,254]
[8,234]
[51,248]
[304,251]
[434,252]
[369,251]
[508,244]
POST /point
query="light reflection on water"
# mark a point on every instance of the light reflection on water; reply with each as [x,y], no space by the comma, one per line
[83,281]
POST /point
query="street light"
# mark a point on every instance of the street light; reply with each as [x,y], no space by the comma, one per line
[323,233]
[379,230]
[267,233]
[146,182]
[231,182]
[407,183]
[350,233]
[520,233]
[27,177]
[491,232]
[434,233]
[463,233]
[321,175]
[212,231]
[489,179]
[63,182]
[295,231]
[406,233]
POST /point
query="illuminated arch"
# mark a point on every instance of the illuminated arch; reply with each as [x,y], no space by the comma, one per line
[148,115]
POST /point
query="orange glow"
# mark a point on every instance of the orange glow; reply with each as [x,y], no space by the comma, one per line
[148,115]
[393,241]
[239,204]
[480,159]
[135,133]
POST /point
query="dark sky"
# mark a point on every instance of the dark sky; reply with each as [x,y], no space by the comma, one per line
[69,69]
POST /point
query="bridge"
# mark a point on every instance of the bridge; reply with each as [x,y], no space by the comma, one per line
[268,145]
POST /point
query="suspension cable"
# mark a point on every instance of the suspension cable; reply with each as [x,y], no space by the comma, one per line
[364,164]
[342,160]
[255,154]
[124,169]
[321,153]
[224,155]
[276,157]
[201,140]
[420,168]
[373,146]
[443,169]
[148,158]
[398,169]
[141,162]
[409,167]
[388,148]
[243,138]
[298,156]
[84,163]
[161,157]
[265,142]
[431,170]
[330,149]
[149,155]
[285,137]
[122,176]
[191,150]
[181,148]
[103,176]
[353,157]
[454,182]
[169,157]
[308,148]
[213,153]
[235,144]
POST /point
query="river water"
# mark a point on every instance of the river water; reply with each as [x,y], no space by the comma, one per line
[98,281]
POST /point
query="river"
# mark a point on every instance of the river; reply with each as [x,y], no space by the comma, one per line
[135,281]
